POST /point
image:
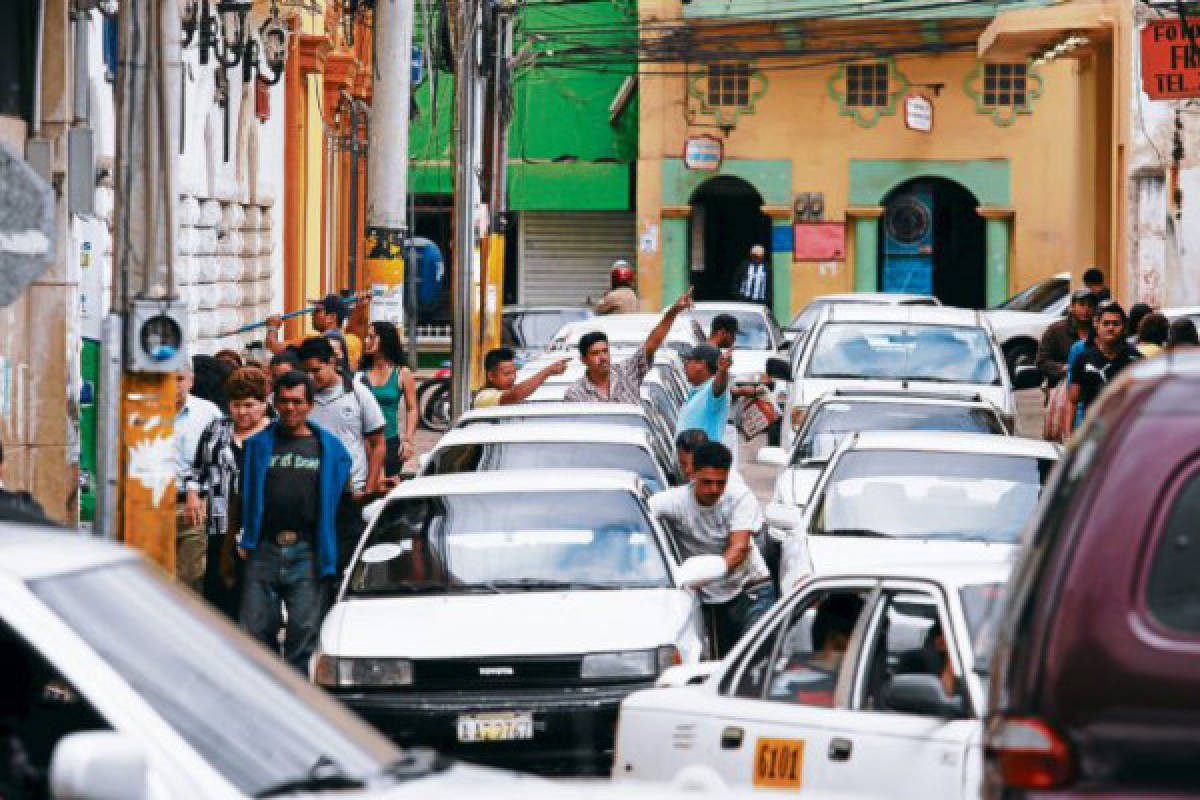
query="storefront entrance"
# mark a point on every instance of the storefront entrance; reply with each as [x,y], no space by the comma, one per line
[726,221]
[932,240]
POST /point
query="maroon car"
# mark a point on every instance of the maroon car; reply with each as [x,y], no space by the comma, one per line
[1095,682]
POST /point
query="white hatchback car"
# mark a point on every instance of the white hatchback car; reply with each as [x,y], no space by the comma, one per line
[552,445]
[504,617]
[897,348]
[913,497]
[863,684]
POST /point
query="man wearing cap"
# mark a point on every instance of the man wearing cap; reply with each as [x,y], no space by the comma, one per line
[1059,337]
[707,405]
[328,317]
[621,299]
[753,281]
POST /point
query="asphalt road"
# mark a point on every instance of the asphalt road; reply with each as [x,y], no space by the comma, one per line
[762,478]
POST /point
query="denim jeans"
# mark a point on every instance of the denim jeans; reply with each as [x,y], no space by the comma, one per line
[283,575]
[734,617]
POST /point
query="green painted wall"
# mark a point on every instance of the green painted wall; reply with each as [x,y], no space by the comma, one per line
[563,152]
[772,179]
[990,180]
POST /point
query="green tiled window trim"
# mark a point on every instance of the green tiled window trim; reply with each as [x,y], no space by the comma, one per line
[726,116]
[867,116]
[1003,115]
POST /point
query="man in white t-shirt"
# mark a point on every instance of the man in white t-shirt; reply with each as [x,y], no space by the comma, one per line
[712,516]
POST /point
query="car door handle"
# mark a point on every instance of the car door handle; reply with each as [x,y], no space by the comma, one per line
[840,749]
[731,738]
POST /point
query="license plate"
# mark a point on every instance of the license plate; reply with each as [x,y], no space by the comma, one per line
[497,727]
[778,763]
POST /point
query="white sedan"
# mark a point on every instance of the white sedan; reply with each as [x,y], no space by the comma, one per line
[802,322]
[913,497]
[841,413]
[504,619]
[898,348]
[1020,321]
[553,445]
[861,684]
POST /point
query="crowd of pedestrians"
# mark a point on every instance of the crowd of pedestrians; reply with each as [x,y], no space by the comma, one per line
[1083,352]
[275,463]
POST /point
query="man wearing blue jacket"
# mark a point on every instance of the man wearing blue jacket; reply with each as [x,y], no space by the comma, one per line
[294,474]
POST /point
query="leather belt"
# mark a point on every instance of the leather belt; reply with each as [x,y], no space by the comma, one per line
[286,538]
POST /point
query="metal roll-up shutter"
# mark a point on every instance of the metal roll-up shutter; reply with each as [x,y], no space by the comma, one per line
[565,256]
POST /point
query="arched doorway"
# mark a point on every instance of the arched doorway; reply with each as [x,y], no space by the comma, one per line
[933,241]
[726,221]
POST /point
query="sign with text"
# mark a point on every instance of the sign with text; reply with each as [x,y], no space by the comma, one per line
[704,153]
[1170,63]
[918,113]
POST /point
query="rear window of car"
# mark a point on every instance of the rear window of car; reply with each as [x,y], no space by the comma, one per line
[1173,589]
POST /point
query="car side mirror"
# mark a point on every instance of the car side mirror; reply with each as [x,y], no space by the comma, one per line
[699,570]
[779,369]
[1027,376]
[687,674]
[98,765]
[783,517]
[772,456]
[920,693]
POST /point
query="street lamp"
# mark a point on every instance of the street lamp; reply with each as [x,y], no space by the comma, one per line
[273,36]
[227,48]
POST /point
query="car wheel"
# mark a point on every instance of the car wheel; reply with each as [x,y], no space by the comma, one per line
[1022,353]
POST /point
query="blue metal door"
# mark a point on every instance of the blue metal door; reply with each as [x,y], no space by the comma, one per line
[908,242]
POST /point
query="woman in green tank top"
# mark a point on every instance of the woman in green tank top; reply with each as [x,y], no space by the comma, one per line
[384,370]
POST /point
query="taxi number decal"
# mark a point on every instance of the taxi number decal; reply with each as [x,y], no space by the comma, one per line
[778,763]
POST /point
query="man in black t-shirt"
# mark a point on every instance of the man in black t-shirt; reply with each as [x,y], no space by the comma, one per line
[1106,356]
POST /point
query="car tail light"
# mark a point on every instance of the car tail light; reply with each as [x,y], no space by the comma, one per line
[1028,754]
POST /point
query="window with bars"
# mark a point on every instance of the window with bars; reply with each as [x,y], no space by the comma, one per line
[729,85]
[1005,85]
[867,85]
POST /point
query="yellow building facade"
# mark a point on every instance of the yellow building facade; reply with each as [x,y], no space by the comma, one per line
[903,162]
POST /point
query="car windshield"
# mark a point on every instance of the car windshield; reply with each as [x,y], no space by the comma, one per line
[937,353]
[254,719]
[489,457]
[833,420]
[510,540]
[982,606]
[753,333]
[931,495]
[535,329]
[1038,297]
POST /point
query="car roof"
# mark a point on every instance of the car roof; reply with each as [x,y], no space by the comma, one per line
[520,480]
[917,315]
[545,309]
[545,432]
[551,409]
[870,298]
[623,326]
[904,397]
[994,568]
[954,442]
[30,552]
[730,307]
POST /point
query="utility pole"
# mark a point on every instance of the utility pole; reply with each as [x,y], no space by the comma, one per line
[467,107]
[387,155]
[144,334]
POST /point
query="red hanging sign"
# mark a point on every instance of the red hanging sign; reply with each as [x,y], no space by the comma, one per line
[1170,64]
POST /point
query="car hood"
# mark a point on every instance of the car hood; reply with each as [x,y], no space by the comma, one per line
[997,395]
[508,624]
[1006,324]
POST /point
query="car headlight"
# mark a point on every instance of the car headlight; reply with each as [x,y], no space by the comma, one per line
[334,672]
[630,663]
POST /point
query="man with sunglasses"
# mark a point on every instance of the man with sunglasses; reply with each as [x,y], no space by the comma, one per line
[1106,355]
